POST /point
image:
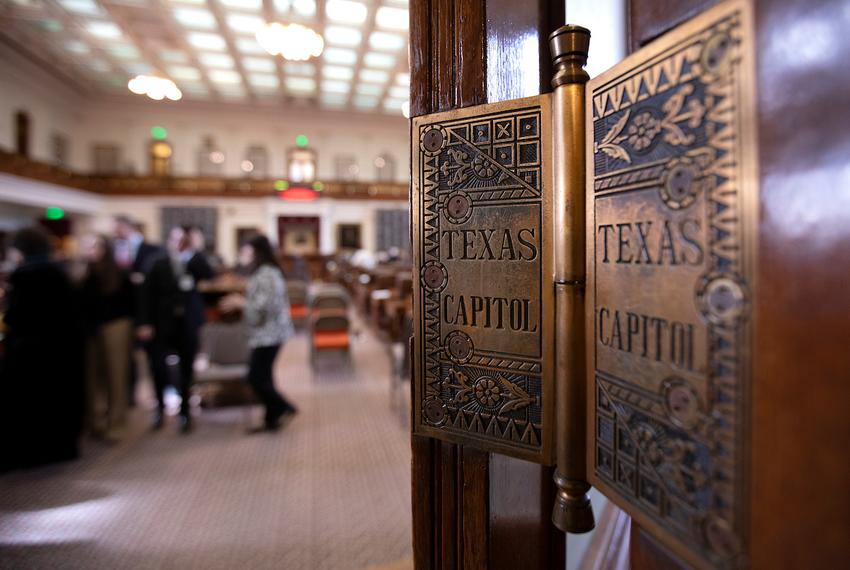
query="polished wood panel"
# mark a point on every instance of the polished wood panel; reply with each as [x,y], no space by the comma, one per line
[647,552]
[800,495]
[518,59]
[521,499]
[464,515]
[648,19]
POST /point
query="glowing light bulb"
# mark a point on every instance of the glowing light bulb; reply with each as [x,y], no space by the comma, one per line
[292,41]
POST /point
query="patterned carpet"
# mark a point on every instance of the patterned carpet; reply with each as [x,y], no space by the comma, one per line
[330,491]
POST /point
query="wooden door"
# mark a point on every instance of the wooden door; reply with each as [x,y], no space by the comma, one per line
[473,509]
[792,503]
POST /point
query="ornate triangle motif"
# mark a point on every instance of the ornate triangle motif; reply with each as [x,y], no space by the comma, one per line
[473,159]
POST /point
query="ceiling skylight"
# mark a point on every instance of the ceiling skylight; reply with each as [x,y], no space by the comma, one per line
[334,99]
[335,86]
[124,51]
[184,73]
[301,84]
[263,80]
[216,60]
[374,76]
[369,89]
[210,48]
[392,18]
[224,76]
[212,42]
[249,46]
[306,8]
[104,30]
[138,68]
[77,47]
[342,36]
[86,7]
[394,104]
[243,4]
[346,11]
[337,72]
[173,56]
[385,41]
[258,64]
[399,92]
[341,56]
[365,102]
[379,60]
[294,68]
[195,18]
[245,23]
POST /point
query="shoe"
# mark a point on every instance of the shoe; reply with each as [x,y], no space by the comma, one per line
[185,424]
[158,421]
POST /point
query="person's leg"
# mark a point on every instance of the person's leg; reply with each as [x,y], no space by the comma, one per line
[132,372]
[187,351]
[261,378]
[156,352]
[116,337]
[93,382]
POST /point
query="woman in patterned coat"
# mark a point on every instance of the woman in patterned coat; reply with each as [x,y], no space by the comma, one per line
[265,309]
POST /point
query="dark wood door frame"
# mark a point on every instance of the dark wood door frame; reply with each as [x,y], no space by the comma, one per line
[472,509]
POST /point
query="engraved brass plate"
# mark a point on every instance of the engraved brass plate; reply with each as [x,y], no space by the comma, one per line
[671,209]
[483,301]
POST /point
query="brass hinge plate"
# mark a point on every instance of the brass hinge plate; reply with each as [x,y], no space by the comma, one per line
[481,218]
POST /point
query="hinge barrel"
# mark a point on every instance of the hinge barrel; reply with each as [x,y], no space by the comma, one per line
[572,511]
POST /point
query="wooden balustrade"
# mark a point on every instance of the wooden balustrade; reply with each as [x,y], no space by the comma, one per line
[126,185]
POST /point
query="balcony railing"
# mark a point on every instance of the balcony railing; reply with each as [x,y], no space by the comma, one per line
[125,185]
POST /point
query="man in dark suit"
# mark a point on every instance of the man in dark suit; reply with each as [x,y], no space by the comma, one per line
[172,315]
[136,255]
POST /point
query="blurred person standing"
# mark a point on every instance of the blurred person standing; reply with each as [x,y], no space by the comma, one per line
[265,310]
[172,313]
[108,307]
[41,409]
[199,243]
[136,255]
[132,251]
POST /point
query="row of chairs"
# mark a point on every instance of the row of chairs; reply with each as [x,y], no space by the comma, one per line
[323,308]
[330,325]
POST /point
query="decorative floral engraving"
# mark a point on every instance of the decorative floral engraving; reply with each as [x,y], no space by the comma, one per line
[610,142]
[693,116]
[488,391]
[643,130]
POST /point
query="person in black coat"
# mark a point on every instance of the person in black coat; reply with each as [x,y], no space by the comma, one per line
[136,256]
[172,315]
[42,378]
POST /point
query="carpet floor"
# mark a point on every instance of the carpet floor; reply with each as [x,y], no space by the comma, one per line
[329,491]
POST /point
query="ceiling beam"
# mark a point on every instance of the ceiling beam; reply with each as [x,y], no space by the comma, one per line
[23,42]
[177,32]
[70,22]
[269,14]
[231,46]
[402,65]
[368,28]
